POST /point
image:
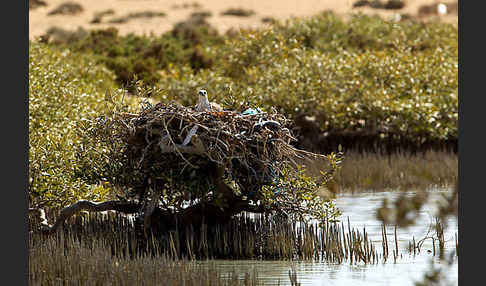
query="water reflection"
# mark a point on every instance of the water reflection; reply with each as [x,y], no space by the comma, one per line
[360,208]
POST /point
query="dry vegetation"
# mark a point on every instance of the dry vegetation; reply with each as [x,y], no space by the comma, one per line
[378,4]
[33,4]
[111,238]
[68,260]
[67,8]
[136,15]
[239,12]
[398,171]
[98,16]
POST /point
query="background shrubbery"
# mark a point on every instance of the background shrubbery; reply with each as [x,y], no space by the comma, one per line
[368,77]
[142,57]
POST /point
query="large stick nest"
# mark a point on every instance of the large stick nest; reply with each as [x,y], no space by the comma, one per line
[204,165]
[252,148]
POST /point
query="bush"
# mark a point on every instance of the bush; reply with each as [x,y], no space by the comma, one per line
[130,56]
[238,12]
[133,57]
[136,15]
[65,88]
[368,76]
[329,33]
[67,8]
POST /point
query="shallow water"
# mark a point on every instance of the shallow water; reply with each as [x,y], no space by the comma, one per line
[360,208]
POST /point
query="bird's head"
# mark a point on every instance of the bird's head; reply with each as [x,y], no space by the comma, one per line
[203,93]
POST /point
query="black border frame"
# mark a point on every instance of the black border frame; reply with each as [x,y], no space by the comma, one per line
[14,211]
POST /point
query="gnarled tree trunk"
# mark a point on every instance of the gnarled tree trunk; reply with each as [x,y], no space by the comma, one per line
[150,215]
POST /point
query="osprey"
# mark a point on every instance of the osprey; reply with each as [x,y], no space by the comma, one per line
[203,103]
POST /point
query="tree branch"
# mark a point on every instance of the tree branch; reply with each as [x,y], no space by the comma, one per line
[71,210]
[40,216]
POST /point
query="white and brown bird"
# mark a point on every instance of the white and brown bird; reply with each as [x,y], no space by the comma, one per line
[203,103]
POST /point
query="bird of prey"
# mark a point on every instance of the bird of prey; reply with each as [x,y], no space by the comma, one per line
[203,101]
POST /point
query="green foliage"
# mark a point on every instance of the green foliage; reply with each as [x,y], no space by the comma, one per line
[130,55]
[366,76]
[65,88]
[138,57]
[297,194]
[327,32]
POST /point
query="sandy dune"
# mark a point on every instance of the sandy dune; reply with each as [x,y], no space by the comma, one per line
[40,22]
